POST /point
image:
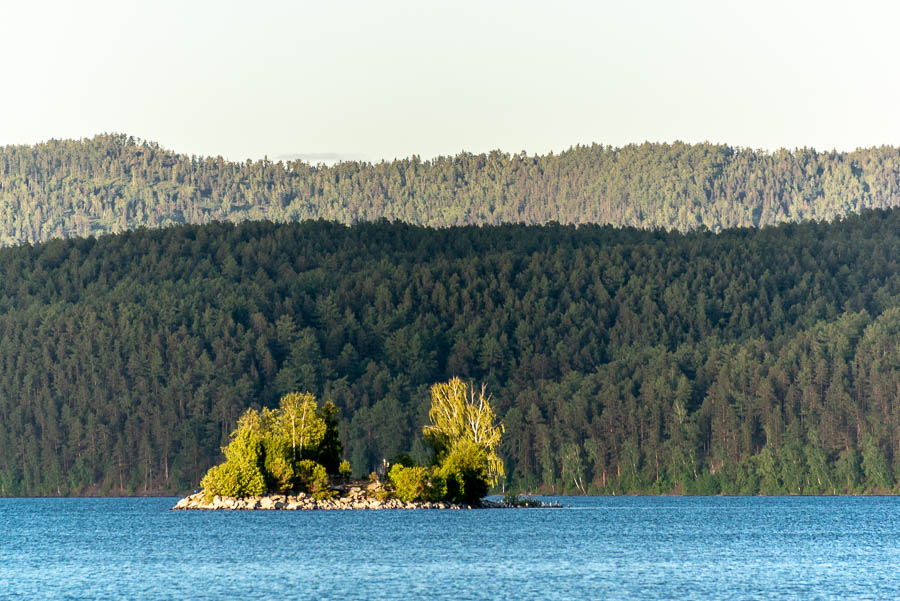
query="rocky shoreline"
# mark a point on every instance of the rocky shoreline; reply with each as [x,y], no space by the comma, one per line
[354,498]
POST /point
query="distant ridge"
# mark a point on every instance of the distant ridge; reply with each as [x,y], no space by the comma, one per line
[114,182]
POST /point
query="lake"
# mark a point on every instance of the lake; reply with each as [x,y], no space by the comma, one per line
[599,547]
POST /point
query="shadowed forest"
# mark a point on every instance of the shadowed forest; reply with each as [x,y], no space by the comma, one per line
[620,360]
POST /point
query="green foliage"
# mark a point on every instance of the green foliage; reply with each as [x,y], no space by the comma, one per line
[344,469]
[298,424]
[312,477]
[820,477]
[847,470]
[233,480]
[463,426]
[514,500]
[875,465]
[411,483]
[242,474]
[265,452]
[403,459]
[112,183]
[630,361]
[465,438]
[329,451]
[280,467]
[464,472]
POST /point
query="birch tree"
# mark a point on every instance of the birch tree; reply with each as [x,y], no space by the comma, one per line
[459,414]
[298,420]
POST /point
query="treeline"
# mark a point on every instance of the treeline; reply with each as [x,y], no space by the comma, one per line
[113,183]
[620,360]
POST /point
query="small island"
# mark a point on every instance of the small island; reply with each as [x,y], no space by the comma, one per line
[291,458]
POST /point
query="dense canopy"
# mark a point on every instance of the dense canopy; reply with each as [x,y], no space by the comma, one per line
[755,360]
[279,450]
[113,183]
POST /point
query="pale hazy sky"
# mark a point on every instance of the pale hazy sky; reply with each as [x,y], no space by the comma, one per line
[391,78]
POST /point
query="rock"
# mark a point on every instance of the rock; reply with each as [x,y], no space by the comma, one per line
[353,498]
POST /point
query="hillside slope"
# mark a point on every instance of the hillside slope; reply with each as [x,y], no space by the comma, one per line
[755,360]
[113,183]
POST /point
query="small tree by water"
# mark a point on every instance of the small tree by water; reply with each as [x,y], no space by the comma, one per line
[465,437]
[278,450]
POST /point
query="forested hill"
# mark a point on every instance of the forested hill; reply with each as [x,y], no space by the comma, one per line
[112,183]
[755,360]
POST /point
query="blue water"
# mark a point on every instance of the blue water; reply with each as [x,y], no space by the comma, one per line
[599,548]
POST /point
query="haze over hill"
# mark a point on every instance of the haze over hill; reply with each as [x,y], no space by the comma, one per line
[112,183]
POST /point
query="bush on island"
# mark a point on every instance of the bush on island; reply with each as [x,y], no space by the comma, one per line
[464,471]
[410,483]
[279,450]
[465,439]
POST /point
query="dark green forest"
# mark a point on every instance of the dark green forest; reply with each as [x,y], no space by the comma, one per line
[114,183]
[620,360]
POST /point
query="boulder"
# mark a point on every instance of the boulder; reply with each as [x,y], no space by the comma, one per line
[354,498]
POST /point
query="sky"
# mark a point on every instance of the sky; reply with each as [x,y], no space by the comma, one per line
[327,81]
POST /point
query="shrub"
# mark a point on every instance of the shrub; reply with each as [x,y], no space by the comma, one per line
[233,479]
[281,475]
[313,478]
[410,483]
[458,415]
[267,448]
[464,472]
[241,475]
[513,500]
